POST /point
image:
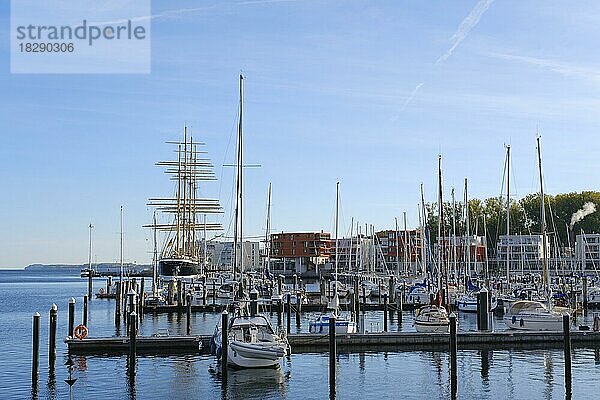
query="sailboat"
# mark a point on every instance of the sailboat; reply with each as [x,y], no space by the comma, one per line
[180,256]
[252,342]
[534,315]
[342,325]
[433,317]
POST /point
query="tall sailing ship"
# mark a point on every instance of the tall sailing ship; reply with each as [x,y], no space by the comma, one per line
[181,256]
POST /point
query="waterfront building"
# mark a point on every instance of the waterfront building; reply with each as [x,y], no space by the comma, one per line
[220,255]
[303,253]
[587,251]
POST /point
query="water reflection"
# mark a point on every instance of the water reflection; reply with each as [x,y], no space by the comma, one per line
[256,383]
[548,375]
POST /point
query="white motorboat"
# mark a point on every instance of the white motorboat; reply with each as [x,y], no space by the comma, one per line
[252,343]
[342,325]
[468,302]
[432,319]
[532,316]
[418,295]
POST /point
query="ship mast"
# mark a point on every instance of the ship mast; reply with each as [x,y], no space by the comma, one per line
[237,230]
[545,270]
[508,245]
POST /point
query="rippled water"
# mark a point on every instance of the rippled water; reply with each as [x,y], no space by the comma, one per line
[482,374]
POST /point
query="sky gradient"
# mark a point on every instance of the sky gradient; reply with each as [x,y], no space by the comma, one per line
[364,92]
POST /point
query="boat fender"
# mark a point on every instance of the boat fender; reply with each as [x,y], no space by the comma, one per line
[514,319]
[521,322]
[81,332]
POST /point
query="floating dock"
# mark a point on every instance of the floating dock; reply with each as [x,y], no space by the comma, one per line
[373,342]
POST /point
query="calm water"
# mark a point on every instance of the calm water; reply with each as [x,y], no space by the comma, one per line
[498,374]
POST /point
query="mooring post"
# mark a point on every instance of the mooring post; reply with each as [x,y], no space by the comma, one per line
[392,289]
[567,351]
[298,308]
[108,284]
[71,317]
[253,302]
[132,341]
[52,336]
[36,348]
[380,284]
[332,357]
[289,313]
[279,310]
[188,314]
[400,302]
[118,304]
[132,301]
[295,282]
[84,320]
[179,297]
[385,312]
[224,345]
[483,310]
[141,298]
[90,284]
[203,290]
[585,294]
[453,350]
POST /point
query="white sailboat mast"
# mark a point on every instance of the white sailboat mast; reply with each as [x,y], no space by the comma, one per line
[468,231]
[121,262]
[543,223]
[268,231]
[238,232]
[508,246]
[337,200]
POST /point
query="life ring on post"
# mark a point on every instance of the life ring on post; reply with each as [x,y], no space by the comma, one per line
[80,332]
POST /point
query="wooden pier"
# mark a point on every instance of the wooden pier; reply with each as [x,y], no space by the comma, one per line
[374,342]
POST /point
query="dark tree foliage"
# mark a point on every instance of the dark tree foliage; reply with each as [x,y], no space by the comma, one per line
[525,217]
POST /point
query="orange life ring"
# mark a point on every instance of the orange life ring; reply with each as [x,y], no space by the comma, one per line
[81,332]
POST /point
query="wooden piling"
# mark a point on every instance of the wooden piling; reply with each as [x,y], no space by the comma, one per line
[52,336]
[35,348]
[84,320]
[188,314]
[453,351]
[90,285]
[298,309]
[118,304]
[391,289]
[400,305]
[385,312]
[332,357]
[224,345]
[483,310]
[585,294]
[567,352]
[71,326]
[289,313]
[179,297]
[132,341]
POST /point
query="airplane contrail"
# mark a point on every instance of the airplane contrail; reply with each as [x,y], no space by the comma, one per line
[465,27]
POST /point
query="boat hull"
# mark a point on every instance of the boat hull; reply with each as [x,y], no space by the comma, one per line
[534,322]
[173,268]
[246,355]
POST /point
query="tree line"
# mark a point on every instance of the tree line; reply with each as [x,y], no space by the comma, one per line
[567,215]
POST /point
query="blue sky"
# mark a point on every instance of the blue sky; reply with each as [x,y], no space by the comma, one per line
[364,92]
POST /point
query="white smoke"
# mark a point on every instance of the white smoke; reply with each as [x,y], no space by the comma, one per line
[587,209]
